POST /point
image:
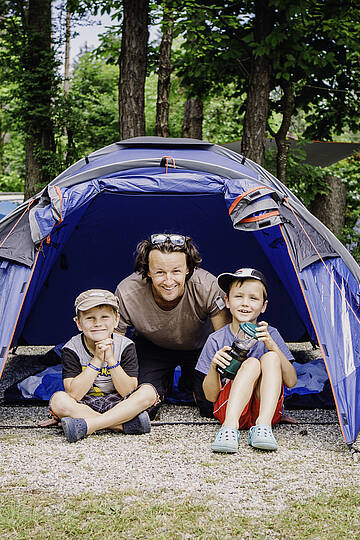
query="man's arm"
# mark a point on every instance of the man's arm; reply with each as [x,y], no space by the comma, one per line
[220,319]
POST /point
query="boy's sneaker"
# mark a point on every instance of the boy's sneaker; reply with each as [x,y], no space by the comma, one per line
[138,425]
[262,437]
[74,428]
[226,440]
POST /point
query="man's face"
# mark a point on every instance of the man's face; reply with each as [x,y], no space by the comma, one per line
[246,300]
[97,323]
[168,274]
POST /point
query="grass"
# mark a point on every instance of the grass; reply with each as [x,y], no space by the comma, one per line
[130,515]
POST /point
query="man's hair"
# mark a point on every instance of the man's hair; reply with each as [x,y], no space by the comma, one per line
[241,280]
[143,249]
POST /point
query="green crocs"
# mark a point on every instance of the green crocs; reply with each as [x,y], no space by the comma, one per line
[262,437]
[226,440]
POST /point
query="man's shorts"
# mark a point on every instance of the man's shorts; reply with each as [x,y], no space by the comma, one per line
[250,413]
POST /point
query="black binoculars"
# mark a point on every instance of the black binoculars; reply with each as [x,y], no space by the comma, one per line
[239,351]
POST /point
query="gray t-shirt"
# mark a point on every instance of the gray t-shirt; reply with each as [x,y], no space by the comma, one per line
[76,357]
[185,327]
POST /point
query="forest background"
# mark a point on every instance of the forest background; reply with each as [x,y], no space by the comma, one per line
[219,70]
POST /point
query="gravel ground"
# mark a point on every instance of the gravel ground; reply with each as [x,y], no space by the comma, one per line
[173,461]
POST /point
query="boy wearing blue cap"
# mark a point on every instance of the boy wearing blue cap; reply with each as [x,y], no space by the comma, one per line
[254,398]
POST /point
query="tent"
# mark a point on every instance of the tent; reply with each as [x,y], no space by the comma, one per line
[317,153]
[81,232]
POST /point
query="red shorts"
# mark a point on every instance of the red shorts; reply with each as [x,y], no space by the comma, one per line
[251,411]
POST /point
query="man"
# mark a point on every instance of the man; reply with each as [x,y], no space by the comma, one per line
[173,306]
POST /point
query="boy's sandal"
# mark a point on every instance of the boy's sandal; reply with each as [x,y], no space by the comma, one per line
[226,440]
[138,425]
[262,437]
[74,428]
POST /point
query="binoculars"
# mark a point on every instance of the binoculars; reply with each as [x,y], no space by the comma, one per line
[239,351]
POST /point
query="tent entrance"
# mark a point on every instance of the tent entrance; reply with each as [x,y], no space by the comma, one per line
[99,252]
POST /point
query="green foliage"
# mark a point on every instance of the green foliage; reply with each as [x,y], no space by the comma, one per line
[12,159]
[150,103]
[91,110]
[11,182]
[349,171]
[223,115]
[303,179]
[28,60]
[306,181]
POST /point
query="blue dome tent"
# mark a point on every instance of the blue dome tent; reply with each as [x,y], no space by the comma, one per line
[81,231]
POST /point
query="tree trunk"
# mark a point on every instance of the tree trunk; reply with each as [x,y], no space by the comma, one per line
[70,153]
[133,68]
[193,118]
[34,178]
[67,53]
[283,146]
[330,208]
[257,107]
[38,86]
[164,81]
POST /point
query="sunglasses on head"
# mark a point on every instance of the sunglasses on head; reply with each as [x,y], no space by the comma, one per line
[175,239]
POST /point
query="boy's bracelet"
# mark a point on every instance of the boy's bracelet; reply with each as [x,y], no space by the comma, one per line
[90,365]
[114,366]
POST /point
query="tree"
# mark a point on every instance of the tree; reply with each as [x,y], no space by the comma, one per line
[38,84]
[258,92]
[31,61]
[324,72]
[91,112]
[276,50]
[133,59]
[164,73]
[192,68]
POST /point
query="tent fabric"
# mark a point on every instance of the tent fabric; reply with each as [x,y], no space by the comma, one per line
[81,232]
[318,153]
